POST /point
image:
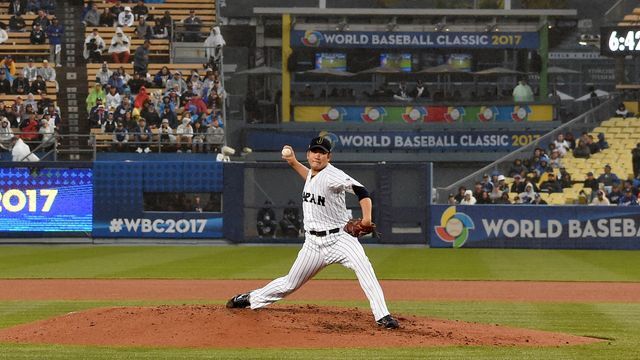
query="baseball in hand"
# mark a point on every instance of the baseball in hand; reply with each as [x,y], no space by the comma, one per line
[286,152]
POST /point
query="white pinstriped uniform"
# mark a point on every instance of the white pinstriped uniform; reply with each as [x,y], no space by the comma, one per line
[324,209]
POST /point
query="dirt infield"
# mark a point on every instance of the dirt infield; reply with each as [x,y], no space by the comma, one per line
[302,326]
[339,290]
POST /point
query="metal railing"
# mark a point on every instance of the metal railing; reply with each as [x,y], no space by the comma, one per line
[584,122]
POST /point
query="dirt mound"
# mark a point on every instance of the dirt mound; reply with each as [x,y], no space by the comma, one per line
[302,326]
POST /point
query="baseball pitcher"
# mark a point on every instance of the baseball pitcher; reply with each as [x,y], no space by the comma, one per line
[330,236]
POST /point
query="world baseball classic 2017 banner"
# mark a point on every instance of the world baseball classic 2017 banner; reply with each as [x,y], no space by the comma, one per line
[531,226]
[441,141]
[423,114]
[414,40]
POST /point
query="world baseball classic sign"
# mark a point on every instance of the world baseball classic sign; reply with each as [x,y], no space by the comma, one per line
[535,226]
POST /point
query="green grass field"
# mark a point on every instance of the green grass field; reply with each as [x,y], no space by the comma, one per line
[618,322]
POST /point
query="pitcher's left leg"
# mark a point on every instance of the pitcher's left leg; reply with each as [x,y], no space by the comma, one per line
[354,258]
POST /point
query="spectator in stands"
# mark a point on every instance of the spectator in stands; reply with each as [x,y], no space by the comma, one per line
[174,98]
[141,98]
[53,113]
[140,11]
[199,132]
[402,93]
[143,29]
[31,102]
[125,18]
[42,19]
[47,135]
[94,45]
[499,188]
[628,185]
[486,183]
[538,200]
[159,30]
[528,195]
[213,45]
[635,157]
[17,23]
[98,116]
[582,149]
[215,137]
[33,6]
[167,113]
[8,112]
[30,71]
[38,36]
[48,73]
[17,7]
[628,199]
[49,6]
[184,134]
[167,21]
[18,107]
[602,142]
[137,82]
[468,198]
[38,86]
[142,137]
[614,194]
[116,9]
[590,182]
[562,145]
[141,58]
[9,66]
[517,168]
[103,75]
[600,199]
[570,139]
[150,114]
[608,178]
[522,92]
[120,137]
[4,36]
[125,107]
[5,84]
[192,25]
[518,185]
[92,17]
[115,81]
[177,79]
[266,223]
[113,99]
[119,48]
[555,162]
[109,125]
[551,184]
[29,127]
[161,77]
[195,105]
[20,85]
[54,33]
[622,111]
[94,94]
[565,178]
[460,195]
[166,133]
[107,18]
[6,133]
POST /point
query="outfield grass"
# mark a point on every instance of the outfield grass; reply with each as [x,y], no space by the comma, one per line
[243,262]
[616,321]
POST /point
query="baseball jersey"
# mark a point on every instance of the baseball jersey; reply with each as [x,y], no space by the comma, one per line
[323,199]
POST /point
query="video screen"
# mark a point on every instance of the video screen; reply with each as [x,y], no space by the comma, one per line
[460,61]
[396,61]
[335,61]
[46,200]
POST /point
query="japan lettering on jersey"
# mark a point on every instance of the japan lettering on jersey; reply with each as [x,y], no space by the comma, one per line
[323,199]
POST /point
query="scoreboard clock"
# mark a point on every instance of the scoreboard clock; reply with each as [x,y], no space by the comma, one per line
[619,41]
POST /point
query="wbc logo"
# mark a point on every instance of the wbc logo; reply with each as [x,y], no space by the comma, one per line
[454,227]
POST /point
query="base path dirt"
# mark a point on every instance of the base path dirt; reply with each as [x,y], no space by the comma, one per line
[338,290]
[301,326]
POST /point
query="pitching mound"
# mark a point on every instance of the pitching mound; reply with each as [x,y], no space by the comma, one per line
[209,326]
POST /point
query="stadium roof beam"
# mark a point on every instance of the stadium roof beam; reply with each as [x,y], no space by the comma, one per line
[312,11]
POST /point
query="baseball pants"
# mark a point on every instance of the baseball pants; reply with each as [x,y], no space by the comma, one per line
[317,253]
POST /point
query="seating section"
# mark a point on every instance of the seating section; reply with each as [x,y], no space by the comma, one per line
[632,19]
[159,51]
[92,69]
[51,88]
[18,44]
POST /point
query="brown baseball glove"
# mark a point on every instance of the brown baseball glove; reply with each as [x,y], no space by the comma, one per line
[355,228]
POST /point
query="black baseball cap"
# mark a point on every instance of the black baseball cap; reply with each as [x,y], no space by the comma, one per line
[321,143]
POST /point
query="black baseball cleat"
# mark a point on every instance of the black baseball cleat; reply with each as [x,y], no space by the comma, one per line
[388,322]
[239,301]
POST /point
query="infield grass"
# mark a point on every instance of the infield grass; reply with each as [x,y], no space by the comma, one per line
[615,321]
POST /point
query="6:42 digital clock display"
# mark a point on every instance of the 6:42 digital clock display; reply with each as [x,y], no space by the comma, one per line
[619,41]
